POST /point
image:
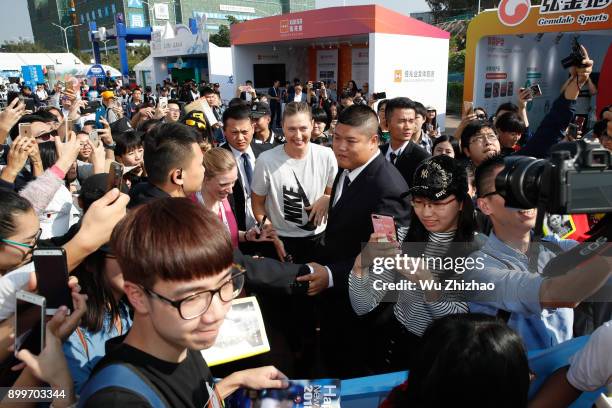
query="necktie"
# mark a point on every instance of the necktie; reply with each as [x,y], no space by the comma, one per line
[393,156]
[248,170]
[346,183]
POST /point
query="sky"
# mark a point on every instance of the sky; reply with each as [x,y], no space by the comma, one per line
[16,22]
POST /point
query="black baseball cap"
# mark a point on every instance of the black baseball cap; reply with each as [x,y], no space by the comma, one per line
[260,109]
[438,177]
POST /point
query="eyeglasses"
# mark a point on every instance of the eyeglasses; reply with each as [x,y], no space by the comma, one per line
[480,138]
[197,304]
[435,205]
[45,137]
[195,123]
[30,246]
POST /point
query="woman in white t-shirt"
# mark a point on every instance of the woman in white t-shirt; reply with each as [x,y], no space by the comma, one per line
[292,183]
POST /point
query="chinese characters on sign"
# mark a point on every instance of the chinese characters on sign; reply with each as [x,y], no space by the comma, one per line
[560,6]
[413,75]
[291,26]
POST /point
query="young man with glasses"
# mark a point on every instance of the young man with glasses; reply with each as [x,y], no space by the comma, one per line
[538,307]
[180,293]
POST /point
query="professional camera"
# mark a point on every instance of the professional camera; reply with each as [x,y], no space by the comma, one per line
[575,58]
[317,86]
[577,179]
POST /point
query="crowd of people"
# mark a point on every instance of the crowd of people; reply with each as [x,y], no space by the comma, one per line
[274,195]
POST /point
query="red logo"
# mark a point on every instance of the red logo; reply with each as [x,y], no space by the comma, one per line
[513,12]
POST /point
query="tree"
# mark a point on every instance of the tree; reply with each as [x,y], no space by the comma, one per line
[444,9]
[23,46]
[222,37]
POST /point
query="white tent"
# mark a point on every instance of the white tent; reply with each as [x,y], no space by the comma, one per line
[62,61]
[143,72]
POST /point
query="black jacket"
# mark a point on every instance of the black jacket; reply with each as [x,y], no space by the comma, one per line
[409,160]
[237,199]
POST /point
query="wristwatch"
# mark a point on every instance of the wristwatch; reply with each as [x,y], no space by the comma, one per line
[109,146]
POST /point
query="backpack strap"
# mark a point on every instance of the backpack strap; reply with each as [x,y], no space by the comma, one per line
[122,376]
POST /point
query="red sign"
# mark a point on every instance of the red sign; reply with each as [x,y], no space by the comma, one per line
[497,75]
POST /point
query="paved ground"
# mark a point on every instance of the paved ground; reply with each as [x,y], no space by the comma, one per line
[452,122]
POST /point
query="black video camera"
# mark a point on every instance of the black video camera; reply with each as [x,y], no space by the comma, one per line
[576,180]
[575,58]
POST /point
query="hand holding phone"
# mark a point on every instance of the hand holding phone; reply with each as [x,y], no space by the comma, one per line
[30,312]
[384,224]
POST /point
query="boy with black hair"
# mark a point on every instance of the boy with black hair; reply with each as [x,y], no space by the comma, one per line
[180,300]
[510,128]
[420,137]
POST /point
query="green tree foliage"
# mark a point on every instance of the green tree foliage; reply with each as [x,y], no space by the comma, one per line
[23,46]
[222,37]
[456,61]
[444,9]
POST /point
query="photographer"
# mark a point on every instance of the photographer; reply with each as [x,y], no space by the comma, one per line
[539,308]
[551,130]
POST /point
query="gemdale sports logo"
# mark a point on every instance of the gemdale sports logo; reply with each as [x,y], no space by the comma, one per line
[513,12]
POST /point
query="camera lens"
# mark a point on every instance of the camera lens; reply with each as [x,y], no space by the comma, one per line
[520,182]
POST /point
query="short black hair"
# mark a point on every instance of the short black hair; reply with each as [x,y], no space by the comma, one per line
[236,112]
[11,204]
[450,139]
[149,124]
[167,147]
[510,122]
[398,103]
[236,102]
[89,123]
[127,141]
[319,115]
[248,81]
[420,109]
[470,130]
[507,106]
[207,91]
[175,101]
[360,116]
[483,175]
[600,128]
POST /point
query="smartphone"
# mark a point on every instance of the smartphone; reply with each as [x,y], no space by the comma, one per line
[579,121]
[384,224]
[496,89]
[29,322]
[163,102]
[535,91]
[379,95]
[25,130]
[12,95]
[94,138]
[29,104]
[510,88]
[468,108]
[488,90]
[52,277]
[572,131]
[115,176]
[91,107]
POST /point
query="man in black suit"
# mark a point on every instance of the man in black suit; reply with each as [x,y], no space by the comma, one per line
[406,155]
[238,131]
[274,95]
[366,184]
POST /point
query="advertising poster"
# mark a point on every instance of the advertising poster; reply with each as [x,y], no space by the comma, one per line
[360,66]
[327,65]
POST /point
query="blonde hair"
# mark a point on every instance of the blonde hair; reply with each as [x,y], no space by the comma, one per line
[295,108]
[217,161]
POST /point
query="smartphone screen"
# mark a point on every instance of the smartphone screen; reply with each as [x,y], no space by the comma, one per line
[52,277]
[384,224]
[29,322]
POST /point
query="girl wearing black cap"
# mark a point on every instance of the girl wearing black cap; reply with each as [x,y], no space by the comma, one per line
[442,214]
